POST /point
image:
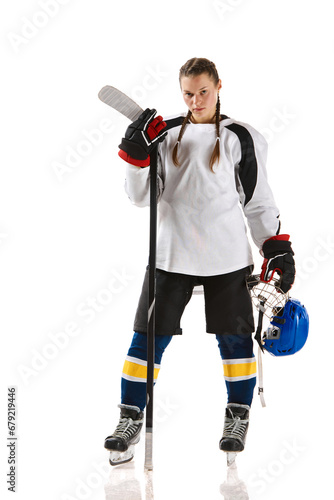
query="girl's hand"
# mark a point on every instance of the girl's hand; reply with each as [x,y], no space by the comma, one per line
[278,256]
[141,137]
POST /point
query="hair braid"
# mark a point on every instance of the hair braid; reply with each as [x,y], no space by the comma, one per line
[216,152]
[176,147]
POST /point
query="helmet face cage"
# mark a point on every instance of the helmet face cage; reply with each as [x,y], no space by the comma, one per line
[267,297]
[289,322]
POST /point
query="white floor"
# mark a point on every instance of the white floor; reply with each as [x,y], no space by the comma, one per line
[285,457]
[282,460]
[67,410]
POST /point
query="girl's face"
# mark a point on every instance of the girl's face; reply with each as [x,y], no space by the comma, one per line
[200,95]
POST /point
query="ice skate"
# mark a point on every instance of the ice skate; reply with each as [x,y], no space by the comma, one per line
[126,435]
[235,430]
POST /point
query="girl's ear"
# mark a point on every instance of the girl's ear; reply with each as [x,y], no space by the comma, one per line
[219,85]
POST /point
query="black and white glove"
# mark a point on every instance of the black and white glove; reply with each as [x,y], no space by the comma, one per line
[278,256]
[141,137]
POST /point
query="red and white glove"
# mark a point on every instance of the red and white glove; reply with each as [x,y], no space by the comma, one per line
[141,137]
[278,257]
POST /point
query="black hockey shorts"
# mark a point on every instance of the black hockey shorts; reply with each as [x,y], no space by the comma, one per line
[228,306]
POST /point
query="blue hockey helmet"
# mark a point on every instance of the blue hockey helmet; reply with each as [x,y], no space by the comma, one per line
[289,322]
[288,330]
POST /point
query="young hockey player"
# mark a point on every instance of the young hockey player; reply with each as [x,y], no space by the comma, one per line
[211,176]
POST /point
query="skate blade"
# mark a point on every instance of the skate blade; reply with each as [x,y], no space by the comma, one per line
[230,458]
[121,457]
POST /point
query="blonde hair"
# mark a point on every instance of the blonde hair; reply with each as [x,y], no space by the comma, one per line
[195,67]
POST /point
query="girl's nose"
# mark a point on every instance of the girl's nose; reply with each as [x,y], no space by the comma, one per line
[196,100]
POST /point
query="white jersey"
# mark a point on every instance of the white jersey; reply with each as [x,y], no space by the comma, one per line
[201,223]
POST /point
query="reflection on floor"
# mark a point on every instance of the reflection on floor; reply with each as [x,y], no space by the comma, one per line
[126,482]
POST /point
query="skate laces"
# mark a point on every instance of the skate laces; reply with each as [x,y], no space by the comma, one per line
[235,427]
[126,427]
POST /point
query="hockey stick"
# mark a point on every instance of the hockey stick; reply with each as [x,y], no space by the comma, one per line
[123,104]
[151,312]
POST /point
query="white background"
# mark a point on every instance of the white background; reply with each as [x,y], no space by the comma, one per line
[71,236]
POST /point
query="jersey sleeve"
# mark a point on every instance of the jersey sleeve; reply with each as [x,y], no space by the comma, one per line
[255,194]
[137,184]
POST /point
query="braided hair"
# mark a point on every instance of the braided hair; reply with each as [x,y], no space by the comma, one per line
[195,67]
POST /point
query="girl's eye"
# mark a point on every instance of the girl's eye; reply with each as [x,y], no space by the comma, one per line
[189,94]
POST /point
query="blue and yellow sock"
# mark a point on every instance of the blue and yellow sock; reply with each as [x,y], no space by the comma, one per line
[239,367]
[133,385]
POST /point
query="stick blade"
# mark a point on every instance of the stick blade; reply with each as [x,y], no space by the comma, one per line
[120,102]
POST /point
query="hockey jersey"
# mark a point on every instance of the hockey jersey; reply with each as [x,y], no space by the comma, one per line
[201,214]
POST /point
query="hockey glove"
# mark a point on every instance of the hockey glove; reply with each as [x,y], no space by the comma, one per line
[141,137]
[278,256]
